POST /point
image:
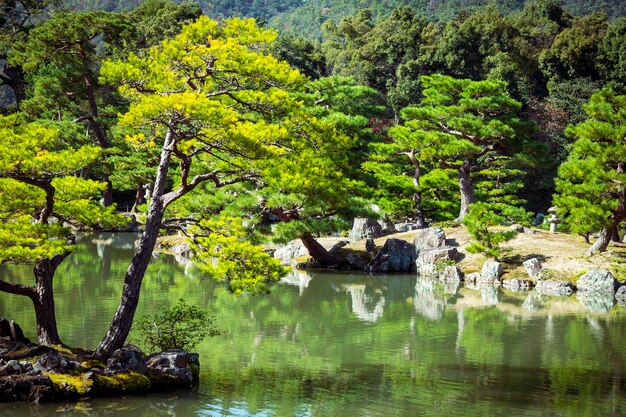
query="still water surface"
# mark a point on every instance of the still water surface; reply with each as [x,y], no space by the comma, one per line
[349,345]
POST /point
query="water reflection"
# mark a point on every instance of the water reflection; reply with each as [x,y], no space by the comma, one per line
[352,344]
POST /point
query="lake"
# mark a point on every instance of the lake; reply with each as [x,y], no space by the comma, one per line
[327,344]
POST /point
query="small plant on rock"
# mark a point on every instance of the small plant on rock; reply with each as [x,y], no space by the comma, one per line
[180,327]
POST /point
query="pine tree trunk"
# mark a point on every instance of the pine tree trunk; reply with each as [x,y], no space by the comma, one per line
[420,220]
[123,318]
[467,191]
[43,301]
[139,198]
[615,237]
[602,242]
[317,251]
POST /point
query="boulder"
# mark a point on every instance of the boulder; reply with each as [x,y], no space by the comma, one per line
[173,368]
[451,273]
[126,359]
[26,387]
[491,272]
[396,256]
[53,361]
[426,263]
[521,229]
[517,284]
[598,281]
[337,246]
[364,228]
[600,302]
[356,261]
[554,288]
[405,227]
[12,331]
[430,238]
[13,367]
[287,253]
[387,226]
[370,246]
[533,268]
[182,250]
[472,278]
[620,296]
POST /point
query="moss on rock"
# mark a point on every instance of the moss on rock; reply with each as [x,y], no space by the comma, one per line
[71,384]
[121,382]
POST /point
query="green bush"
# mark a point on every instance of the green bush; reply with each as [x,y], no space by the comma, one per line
[480,218]
[179,327]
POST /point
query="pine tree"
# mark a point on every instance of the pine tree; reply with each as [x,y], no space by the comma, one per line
[590,185]
[462,125]
[40,201]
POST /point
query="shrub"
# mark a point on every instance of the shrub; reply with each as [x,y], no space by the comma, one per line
[179,327]
[480,218]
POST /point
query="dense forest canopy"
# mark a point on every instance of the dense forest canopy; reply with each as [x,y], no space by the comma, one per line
[306,17]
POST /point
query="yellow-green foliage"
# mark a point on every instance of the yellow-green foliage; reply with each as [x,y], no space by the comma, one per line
[78,384]
[224,252]
[37,165]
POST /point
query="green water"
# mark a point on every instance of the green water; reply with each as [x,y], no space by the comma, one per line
[349,345]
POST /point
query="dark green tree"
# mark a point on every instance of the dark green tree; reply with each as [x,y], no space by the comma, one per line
[590,186]
[462,125]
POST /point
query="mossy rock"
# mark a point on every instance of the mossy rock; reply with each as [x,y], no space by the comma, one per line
[71,384]
[121,382]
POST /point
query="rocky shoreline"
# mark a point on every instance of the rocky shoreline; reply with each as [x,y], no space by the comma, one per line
[31,372]
[433,255]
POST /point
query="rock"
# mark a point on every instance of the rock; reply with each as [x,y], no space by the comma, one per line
[12,331]
[53,361]
[364,228]
[173,368]
[472,278]
[491,272]
[370,246]
[430,238]
[182,250]
[554,288]
[522,229]
[517,284]
[598,281]
[620,296]
[26,387]
[356,261]
[533,268]
[596,301]
[287,253]
[13,367]
[396,256]
[426,263]
[405,227]
[387,226]
[124,360]
[337,246]
[451,273]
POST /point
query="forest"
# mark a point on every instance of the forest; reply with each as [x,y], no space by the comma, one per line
[189,119]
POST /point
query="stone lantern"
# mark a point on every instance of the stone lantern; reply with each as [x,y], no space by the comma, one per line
[553,219]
